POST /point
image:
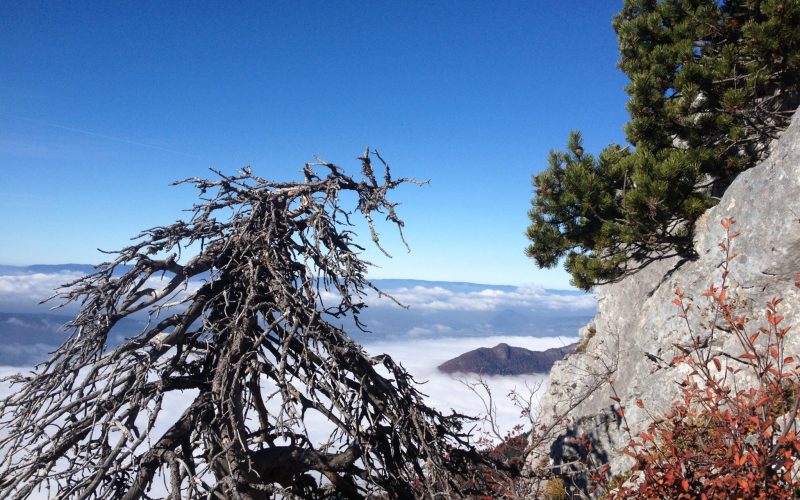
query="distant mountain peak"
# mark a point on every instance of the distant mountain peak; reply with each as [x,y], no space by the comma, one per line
[504,359]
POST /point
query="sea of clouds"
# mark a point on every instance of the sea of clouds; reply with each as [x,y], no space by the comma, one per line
[442,320]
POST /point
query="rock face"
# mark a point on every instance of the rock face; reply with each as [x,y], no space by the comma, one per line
[504,359]
[627,348]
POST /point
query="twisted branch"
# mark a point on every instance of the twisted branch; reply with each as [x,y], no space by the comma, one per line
[240,331]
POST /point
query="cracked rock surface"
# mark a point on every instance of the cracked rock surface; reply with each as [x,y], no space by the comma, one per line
[628,346]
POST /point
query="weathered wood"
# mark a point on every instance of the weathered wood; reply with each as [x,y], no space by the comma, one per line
[242,326]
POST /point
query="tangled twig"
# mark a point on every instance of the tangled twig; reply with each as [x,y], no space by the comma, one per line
[240,331]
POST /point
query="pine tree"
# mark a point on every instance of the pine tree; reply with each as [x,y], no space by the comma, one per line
[711,85]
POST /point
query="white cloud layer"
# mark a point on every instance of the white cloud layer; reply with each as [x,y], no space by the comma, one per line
[33,287]
[419,357]
[448,392]
[443,322]
[22,292]
[438,298]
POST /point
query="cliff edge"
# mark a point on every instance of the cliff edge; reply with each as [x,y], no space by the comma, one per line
[627,348]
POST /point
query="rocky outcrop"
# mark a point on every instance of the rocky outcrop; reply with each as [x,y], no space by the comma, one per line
[627,348]
[504,359]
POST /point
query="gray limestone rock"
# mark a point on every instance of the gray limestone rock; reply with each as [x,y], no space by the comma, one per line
[628,347]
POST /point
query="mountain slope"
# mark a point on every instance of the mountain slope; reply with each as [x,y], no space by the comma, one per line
[504,359]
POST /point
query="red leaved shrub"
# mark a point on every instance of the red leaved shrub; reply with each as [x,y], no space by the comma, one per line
[733,434]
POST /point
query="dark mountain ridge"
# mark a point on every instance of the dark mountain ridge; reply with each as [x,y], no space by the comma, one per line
[504,359]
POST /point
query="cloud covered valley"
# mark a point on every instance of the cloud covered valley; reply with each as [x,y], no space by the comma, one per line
[442,320]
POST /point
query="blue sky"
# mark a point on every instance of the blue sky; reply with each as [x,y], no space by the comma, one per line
[103,104]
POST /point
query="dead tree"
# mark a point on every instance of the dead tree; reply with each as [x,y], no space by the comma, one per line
[245,330]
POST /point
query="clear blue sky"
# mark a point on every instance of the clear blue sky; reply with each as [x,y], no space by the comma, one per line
[103,104]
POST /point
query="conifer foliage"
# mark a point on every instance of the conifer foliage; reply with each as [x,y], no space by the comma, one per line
[712,83]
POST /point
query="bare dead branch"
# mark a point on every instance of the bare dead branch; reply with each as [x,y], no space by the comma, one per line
[241,332]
